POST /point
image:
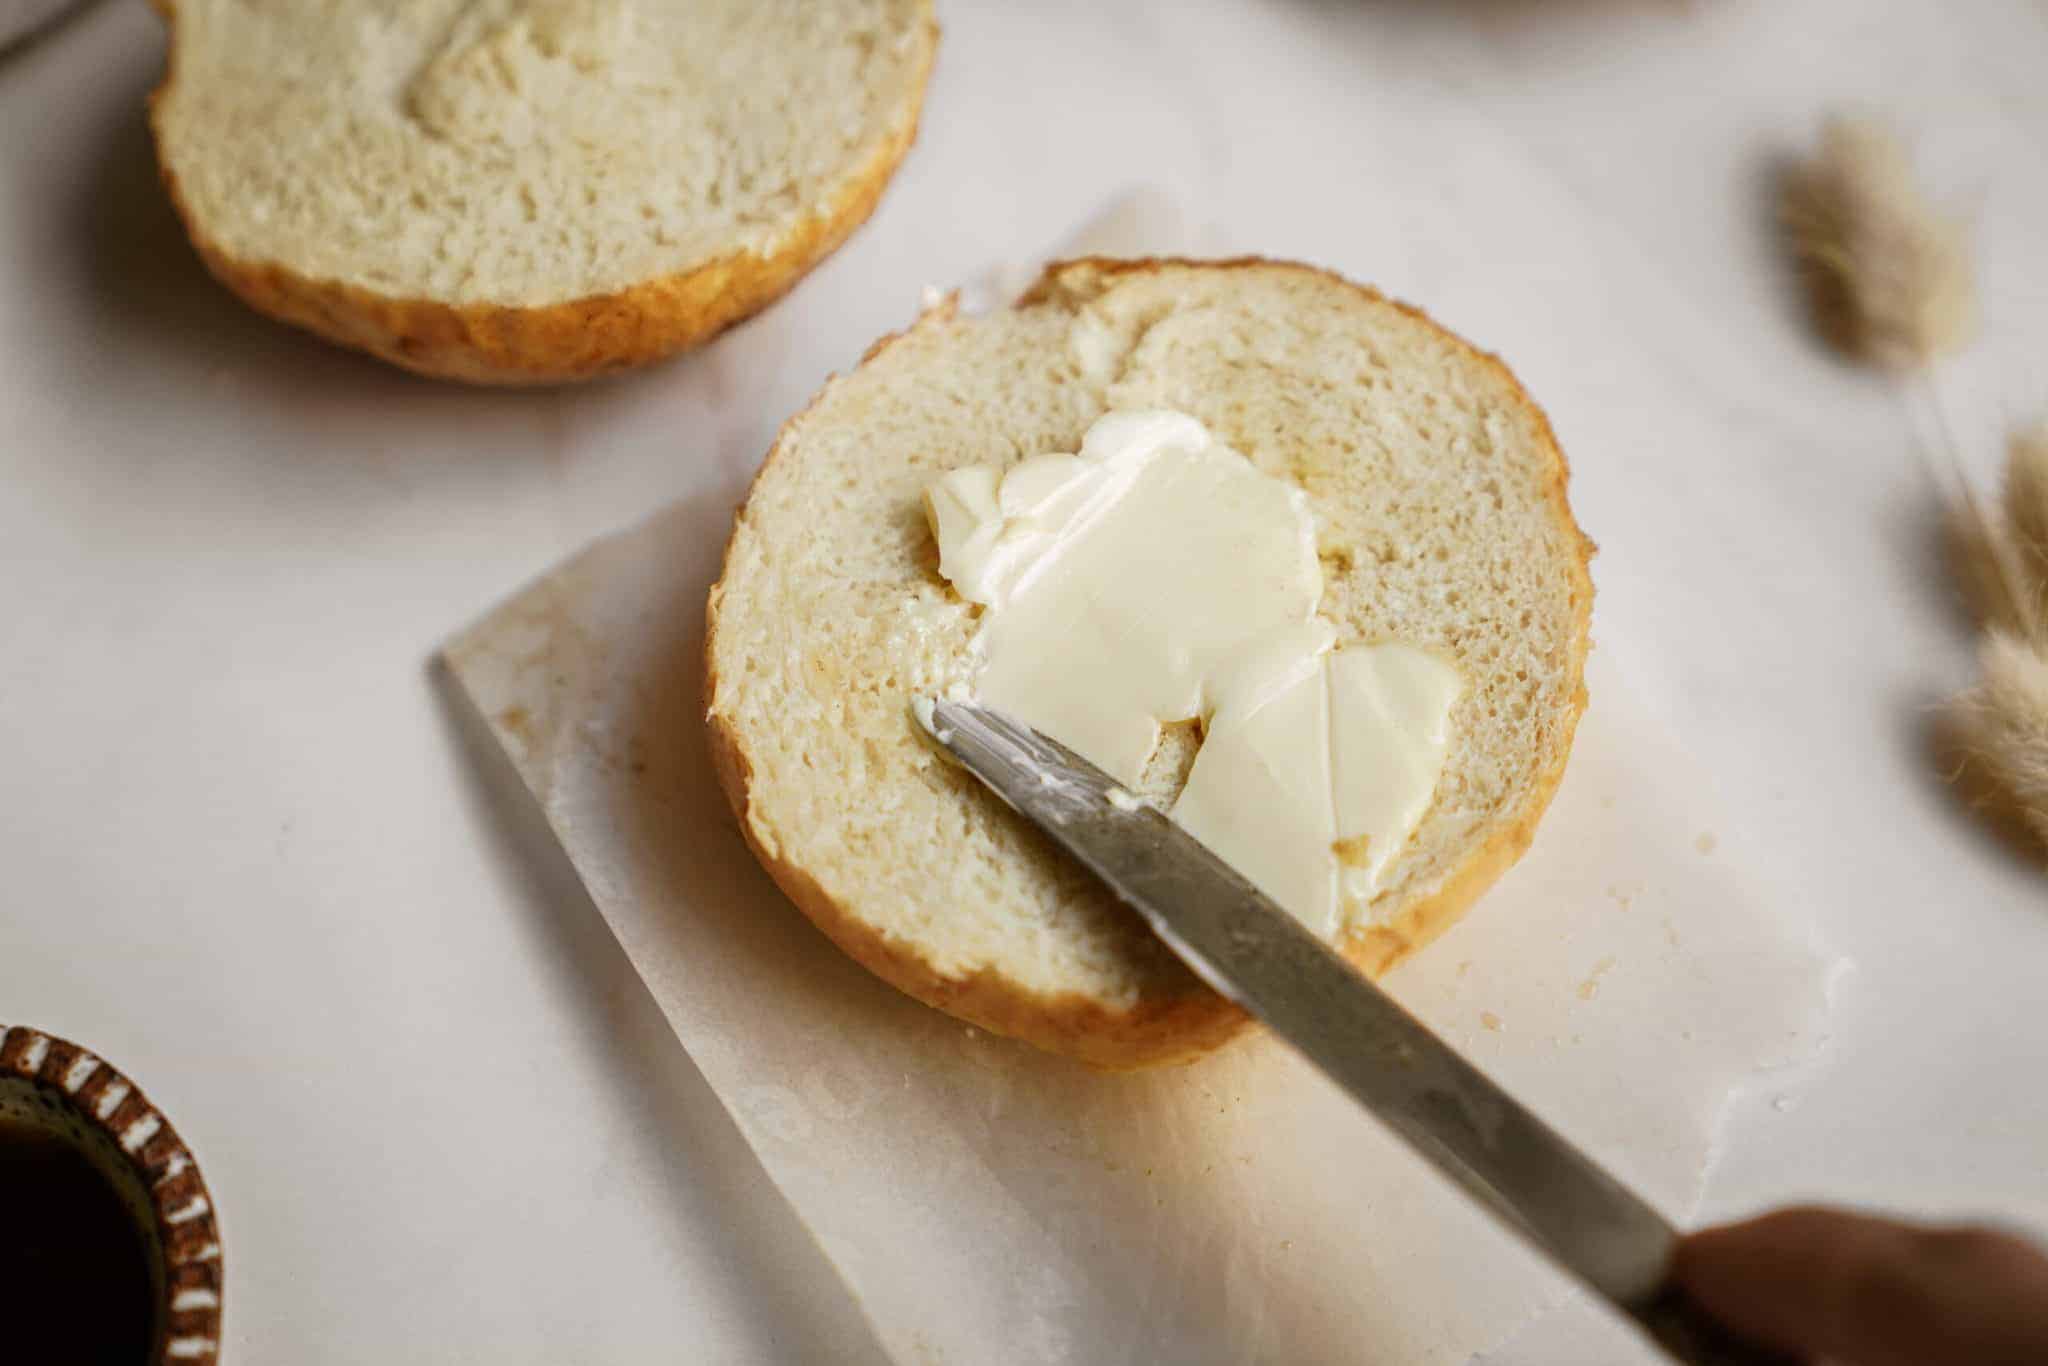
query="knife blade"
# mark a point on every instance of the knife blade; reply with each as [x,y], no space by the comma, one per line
[1270,964]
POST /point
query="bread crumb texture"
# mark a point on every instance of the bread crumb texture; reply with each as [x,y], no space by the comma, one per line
[1438,495]
[531,189]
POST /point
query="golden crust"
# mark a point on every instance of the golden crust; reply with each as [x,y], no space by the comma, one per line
[1161,1030]
[1176,1028]
[548,344]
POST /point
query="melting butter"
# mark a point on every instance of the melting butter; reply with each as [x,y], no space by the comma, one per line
[1156,575]
[1122,576]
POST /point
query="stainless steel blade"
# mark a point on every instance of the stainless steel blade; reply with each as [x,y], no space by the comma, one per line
[1265,960]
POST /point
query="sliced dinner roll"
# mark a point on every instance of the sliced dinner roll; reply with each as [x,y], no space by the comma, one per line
[527,191]
[1438,495]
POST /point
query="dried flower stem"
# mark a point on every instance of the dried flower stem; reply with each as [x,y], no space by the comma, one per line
[2004,724]
[1888,275]
[1889,283]
[2002,552]
[2026,512]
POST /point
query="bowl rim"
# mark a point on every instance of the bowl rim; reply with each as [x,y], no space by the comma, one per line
[187,1226]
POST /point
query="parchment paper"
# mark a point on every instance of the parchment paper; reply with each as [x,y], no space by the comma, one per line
[988,1203]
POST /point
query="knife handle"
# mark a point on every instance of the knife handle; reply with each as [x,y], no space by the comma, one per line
[1685,1332]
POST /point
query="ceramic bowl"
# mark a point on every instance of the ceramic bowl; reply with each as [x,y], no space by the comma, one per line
[61,1089]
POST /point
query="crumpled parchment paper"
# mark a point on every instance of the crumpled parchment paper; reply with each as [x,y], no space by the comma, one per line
[988,1203]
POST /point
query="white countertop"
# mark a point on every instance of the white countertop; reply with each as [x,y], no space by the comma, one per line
[252,855]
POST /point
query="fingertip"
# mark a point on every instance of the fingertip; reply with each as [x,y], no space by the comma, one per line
[1855,1287]
[1789,1278]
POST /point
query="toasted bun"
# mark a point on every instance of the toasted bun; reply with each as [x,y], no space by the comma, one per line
[526,191]
[1439,498]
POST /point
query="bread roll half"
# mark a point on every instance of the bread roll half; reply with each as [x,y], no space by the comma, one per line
[1439,500]
[528,191]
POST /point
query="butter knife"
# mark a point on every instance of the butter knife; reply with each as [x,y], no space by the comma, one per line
[1269,963]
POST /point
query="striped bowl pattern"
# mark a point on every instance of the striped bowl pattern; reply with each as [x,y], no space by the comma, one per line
[98,1095]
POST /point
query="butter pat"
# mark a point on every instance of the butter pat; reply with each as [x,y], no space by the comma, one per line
[1259,793]
[1315,770]
[1122,576]
[1156,575]
[1390,725]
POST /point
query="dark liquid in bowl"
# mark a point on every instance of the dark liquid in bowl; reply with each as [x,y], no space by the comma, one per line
[72,1263]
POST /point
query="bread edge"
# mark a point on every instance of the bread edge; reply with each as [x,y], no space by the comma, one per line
[506,345]
[1179,1029]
